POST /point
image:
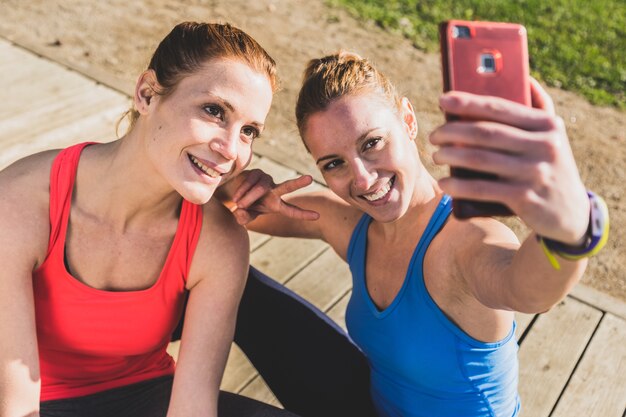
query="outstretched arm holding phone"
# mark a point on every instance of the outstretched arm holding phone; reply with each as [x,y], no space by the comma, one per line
[528,151]
[437,286]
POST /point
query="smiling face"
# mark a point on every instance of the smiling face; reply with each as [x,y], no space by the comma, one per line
[366,153]
[201,134]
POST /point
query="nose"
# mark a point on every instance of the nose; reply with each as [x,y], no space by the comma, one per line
[362,177]
[226,144]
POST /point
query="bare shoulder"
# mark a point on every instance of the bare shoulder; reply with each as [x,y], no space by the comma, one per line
[24,207]
[221,224]
[30,173]
[223,247]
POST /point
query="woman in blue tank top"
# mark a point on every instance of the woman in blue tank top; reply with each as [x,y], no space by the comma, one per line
[431,313]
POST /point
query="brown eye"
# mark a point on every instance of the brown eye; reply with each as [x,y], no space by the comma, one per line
[370,143]
[332,164]
[214,110]
[250,132]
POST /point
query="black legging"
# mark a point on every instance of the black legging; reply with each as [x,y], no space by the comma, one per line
[150,399]
[309,362]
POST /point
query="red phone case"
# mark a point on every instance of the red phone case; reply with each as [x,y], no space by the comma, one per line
[485,58]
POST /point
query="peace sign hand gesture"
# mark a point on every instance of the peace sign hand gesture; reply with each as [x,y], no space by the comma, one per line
[256,193]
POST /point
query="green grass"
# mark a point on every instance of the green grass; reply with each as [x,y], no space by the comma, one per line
[577,45]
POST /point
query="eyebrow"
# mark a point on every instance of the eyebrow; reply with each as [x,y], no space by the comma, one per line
[359,139]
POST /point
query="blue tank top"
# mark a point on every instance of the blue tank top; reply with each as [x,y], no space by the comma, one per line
[422,364]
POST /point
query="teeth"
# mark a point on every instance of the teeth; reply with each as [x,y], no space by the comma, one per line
[210,172]
[379,194]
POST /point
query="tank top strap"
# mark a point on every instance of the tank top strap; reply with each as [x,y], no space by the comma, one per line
[186,240]
[62,178]
[436,222]
[358,239]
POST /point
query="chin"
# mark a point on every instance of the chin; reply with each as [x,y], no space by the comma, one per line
[385,218]
[198,196]
[389,216]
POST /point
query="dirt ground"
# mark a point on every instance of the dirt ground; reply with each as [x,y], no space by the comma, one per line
[112,40]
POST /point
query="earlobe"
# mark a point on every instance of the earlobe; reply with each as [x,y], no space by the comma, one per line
[144,91]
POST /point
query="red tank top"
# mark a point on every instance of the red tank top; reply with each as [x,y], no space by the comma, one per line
[92,340]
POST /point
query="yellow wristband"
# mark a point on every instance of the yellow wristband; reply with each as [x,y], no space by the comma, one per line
[597,236]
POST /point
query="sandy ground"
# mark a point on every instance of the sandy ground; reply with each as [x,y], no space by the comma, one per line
[112,40]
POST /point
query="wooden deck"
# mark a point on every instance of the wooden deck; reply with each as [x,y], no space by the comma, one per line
[572,359]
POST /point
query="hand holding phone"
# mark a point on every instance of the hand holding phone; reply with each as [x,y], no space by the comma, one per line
[485,58]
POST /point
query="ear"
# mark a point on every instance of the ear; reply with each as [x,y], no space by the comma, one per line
[145,91]
[409,118]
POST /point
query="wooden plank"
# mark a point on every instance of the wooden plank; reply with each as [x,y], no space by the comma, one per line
[259,390]
[523,321]
[281,258]
[324,281]
[122,86]
[550,353]
[174,349]
[239,371]
[338,311]
[38,83]
[598,387]
[600,300]
[98,127]
[39,90]
[279,172]
[257,240]
[51,107]
[87,102]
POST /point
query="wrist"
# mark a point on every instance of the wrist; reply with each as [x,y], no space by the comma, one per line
[591,243]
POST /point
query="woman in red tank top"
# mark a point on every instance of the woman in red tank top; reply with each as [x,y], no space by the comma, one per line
[91,297]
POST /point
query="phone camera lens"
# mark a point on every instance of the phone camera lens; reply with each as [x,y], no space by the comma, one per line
[462,32]
[487,63]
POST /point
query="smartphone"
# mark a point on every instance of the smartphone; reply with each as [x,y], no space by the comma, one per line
[487,58]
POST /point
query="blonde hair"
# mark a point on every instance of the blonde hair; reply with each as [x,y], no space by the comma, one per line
[334,76]
[189,45]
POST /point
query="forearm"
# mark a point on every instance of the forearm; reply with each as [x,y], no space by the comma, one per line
[279,225]
[197,380]
[198,400]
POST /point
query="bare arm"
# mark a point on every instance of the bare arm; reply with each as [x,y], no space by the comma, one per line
[335,224]
[502,274]
[216,282]
[528,149]
[23,241]
[19,363]
[265,207]
[253,192]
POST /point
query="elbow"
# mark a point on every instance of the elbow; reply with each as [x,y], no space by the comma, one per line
[19,411]
[19,400]
[536,308]
[536,303]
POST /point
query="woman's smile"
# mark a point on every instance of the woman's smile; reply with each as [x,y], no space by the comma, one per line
[382,195]
[202,168]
